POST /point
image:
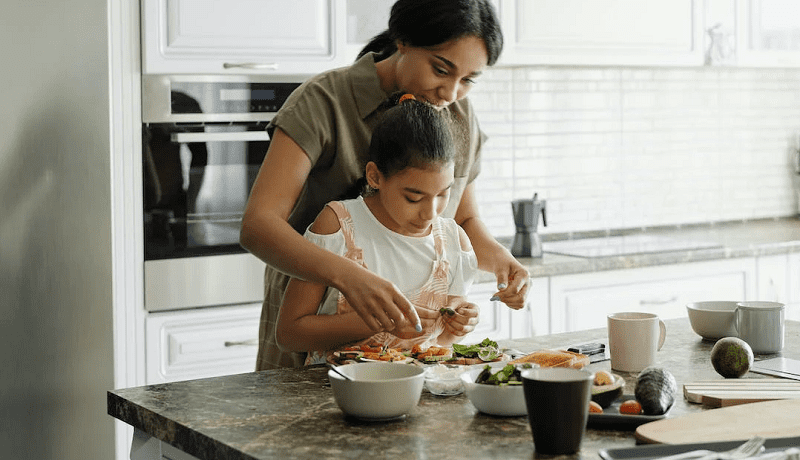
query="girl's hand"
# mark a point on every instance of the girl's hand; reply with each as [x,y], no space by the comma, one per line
[513,280]
[406,330]
[465,319]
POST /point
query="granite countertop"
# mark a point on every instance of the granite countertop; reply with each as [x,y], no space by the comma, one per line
[291,413]
[730,240]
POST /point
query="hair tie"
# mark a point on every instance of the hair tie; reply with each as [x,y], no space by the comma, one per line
[406,97]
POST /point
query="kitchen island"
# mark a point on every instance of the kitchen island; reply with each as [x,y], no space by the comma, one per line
[291,413]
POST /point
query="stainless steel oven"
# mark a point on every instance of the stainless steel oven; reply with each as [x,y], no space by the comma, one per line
[203,141]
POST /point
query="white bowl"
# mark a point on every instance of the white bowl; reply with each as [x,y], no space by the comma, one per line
[713,320]
[503,400]
[378,391]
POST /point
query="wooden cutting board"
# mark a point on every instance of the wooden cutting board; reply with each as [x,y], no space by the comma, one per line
[769,419]
[731,392]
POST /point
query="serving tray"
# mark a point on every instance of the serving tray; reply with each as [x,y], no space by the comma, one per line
[653,451]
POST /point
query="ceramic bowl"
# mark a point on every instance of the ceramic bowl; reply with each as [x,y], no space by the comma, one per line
[502,400]
[378,391]
[713,320]
[605,395]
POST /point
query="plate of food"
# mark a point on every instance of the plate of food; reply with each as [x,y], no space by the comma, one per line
[484,352]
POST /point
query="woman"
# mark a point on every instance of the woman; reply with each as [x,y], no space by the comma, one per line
[433,49]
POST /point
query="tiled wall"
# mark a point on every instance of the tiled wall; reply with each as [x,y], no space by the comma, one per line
[612,148]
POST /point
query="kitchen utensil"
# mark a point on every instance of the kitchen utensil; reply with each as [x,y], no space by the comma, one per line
[557,399]
[713,320]
[634,338]
[750,447]
[731,392]
[769,419]
[377,391]
[335,368]
[527,242]
[761,325]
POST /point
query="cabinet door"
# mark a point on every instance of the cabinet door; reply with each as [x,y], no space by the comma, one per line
[793,284]
[201,343]
[604,32]
[769,33]
[494,319]
[583,301]
[237,36]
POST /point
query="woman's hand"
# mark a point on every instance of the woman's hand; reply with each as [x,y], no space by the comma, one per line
[513,281]
[379,303]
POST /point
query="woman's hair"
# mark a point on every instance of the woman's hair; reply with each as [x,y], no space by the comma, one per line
[424,23]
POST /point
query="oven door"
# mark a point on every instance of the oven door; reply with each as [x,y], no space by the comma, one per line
[197,179]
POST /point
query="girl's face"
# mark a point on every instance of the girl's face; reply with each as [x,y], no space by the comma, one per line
[409,201]
[443,74]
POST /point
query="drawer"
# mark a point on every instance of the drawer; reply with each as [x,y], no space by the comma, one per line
[200,343]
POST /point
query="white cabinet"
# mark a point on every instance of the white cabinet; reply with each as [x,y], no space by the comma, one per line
[583,301]
[498,322]
[779,281]
[238,36]
[364,19]
[201,343]
[768,33]
[602,32]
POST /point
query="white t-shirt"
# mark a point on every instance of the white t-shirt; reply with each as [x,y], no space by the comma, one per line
[407,261]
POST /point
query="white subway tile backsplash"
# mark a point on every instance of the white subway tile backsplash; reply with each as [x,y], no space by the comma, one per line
[637,147]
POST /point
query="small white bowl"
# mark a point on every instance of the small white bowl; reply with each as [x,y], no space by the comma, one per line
[502,400]
[713,320]
[378,391]
[444,381]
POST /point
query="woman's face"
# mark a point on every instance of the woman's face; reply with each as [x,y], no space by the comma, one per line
[409,201]
[442,74]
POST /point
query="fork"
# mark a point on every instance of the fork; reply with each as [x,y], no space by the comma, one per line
[747,449]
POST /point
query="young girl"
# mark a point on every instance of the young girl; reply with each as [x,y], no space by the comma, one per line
[394,229]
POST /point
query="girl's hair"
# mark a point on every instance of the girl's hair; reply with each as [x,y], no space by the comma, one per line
[424,23]
[412,134]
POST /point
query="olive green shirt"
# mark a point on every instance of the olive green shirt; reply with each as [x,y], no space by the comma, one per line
[331,117]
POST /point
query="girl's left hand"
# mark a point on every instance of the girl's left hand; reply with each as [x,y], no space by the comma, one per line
[513,280]
[465,319]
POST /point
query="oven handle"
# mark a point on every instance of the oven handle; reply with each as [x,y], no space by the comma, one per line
[182,138]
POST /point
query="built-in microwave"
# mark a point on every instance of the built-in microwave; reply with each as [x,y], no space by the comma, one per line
[203,141]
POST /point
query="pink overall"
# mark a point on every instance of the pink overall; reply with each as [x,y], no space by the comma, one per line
[432,295]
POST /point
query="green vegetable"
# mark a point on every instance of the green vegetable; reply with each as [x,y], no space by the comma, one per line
[510,374]
[447,311]
[471,351]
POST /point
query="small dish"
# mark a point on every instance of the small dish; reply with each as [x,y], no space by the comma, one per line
[442,380]
[612,418]
[607,394]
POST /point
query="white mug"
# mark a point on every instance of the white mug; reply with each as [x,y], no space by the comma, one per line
[633,340]
[761,325]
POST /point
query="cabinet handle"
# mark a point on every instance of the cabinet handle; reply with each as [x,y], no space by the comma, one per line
[251,65]
[242,343]
[658,302]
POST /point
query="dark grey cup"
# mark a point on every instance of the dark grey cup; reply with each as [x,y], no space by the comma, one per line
[558,407]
